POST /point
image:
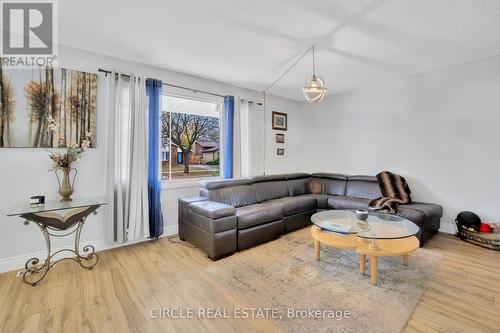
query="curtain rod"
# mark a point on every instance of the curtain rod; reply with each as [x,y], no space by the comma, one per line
[168,85]
[247,100]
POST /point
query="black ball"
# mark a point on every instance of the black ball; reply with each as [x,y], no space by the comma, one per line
[468,220]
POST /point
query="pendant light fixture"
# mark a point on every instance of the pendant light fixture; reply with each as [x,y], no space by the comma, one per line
[314,89]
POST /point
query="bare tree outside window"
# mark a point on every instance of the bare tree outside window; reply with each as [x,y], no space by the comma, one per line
[190,139]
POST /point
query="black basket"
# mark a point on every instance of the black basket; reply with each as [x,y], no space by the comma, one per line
[486,240]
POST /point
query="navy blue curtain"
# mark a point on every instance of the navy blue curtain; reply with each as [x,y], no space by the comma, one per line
[153,92]
[228,130]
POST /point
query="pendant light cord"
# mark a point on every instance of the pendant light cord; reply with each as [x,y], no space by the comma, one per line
[290,68]
[265,104]
[314,64]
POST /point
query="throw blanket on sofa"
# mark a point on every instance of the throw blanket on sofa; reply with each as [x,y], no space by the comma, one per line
[394,190]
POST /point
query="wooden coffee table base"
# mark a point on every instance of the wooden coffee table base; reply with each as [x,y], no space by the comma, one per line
[347,242]
[384,248]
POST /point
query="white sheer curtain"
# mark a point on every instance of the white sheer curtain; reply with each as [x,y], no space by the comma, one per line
[124,101]
[139,205]
[251,138]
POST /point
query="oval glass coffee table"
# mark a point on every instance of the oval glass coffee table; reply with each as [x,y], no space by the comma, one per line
[380,235]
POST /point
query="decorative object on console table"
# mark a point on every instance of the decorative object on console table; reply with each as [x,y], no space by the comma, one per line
[37,200]
[46,217]
[280,138]
[280,151]
[67,187]
[280,121]
[63,162]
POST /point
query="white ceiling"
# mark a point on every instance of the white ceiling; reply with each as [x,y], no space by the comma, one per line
[250,43]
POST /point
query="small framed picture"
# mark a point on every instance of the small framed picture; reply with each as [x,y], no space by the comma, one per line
[280,151]
[280,138]
[280,121]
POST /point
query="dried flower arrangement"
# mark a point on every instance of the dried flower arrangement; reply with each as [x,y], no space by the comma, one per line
[72,154]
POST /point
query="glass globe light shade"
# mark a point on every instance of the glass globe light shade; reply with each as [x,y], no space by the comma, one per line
[314,89]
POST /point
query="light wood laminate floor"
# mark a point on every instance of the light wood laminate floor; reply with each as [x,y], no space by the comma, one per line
[462,296]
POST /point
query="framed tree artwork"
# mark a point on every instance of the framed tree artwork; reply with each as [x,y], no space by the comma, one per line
[47,107]
[280,121]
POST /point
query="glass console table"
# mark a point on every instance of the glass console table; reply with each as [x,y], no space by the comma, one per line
[58,219]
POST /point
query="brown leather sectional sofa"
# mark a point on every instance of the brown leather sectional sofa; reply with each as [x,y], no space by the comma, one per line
[236,214]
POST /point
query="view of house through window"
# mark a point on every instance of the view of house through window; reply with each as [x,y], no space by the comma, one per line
[190,132]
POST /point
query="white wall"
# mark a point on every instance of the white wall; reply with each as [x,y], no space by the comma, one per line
[291,161]
[258,145]
[440,130]
[24,172]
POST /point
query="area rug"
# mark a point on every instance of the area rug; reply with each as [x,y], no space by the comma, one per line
[329,295]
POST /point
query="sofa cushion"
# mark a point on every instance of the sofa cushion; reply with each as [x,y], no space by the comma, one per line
[327,183]
[252,215]
[298,186]
[321,199]
[365,187]
[236,196]
[295,205]
[266,191]
[212,209]
[431,211]
[183,205]
[343,202]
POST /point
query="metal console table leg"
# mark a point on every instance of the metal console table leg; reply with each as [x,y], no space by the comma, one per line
[87,258]
[32,266]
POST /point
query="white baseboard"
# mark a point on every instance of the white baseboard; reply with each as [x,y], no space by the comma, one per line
[449,228]
[17,262]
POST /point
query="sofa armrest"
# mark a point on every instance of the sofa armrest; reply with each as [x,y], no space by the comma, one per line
[430,210]
[212,209]
[184,206]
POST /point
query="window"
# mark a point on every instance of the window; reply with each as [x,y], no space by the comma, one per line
[190,131]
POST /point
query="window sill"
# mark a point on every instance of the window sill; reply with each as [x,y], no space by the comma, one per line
[184,183]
